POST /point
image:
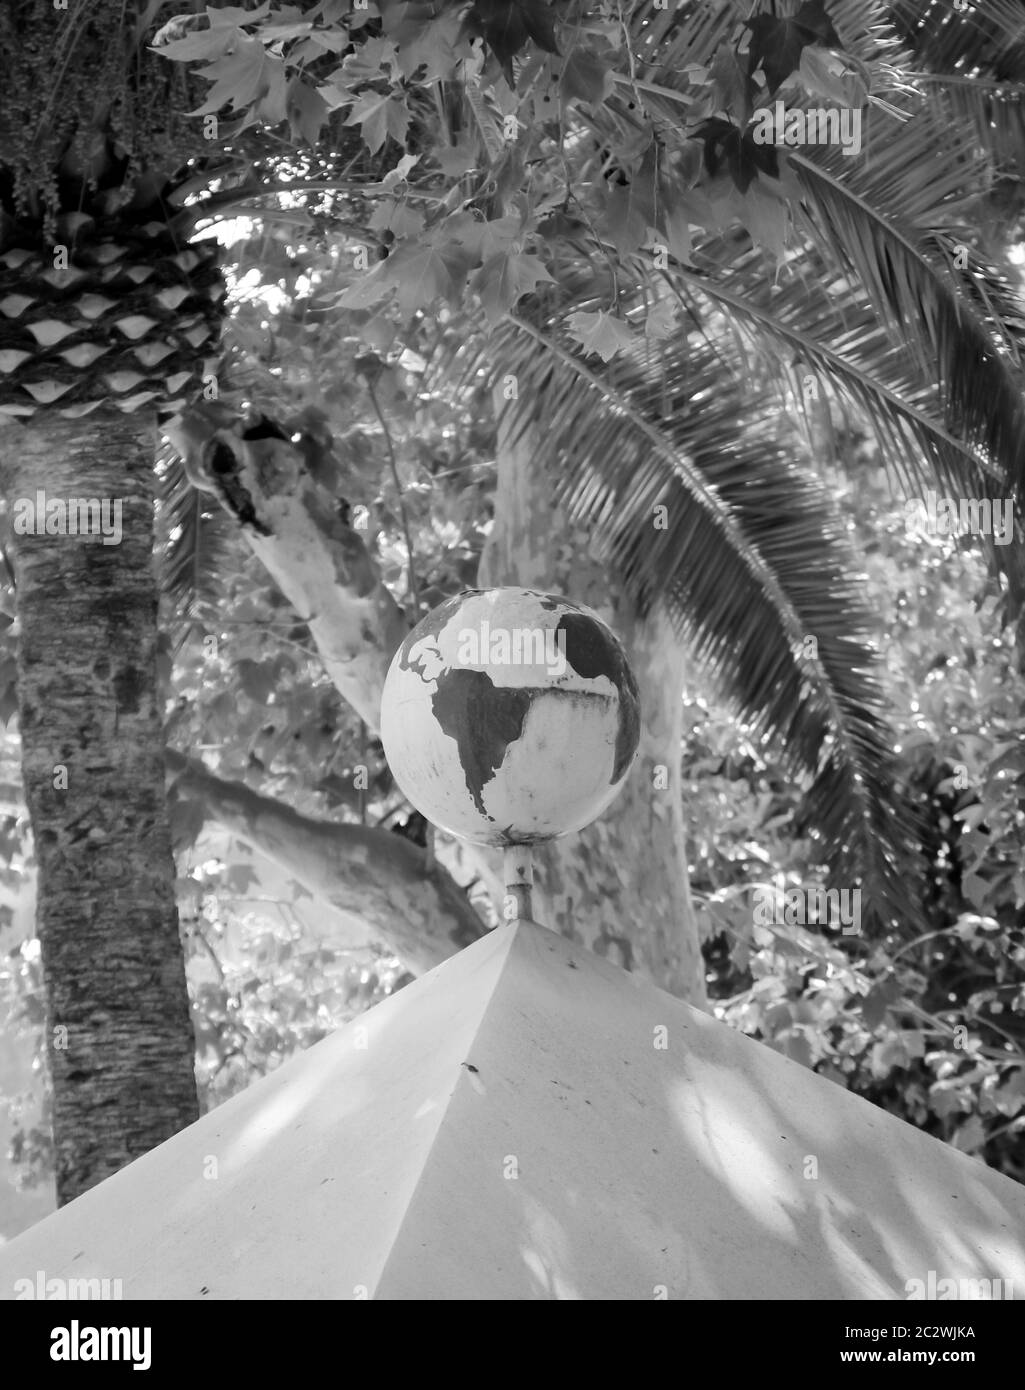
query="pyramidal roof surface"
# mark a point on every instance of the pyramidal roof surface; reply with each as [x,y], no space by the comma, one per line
[529,1121]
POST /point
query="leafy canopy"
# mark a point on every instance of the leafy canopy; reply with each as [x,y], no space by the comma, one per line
[571,127]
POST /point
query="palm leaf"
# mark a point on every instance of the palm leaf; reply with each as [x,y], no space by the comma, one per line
[200,547]
[972,68]
[962,326]
[920,300]
[993,110]
[989,38]
[752,562]
[821,324]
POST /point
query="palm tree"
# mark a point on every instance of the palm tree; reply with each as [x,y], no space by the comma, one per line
[109,320]
[105,316]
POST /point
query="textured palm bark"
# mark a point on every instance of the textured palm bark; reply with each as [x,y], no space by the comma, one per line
[122,1045]
[419,911]
[621,886]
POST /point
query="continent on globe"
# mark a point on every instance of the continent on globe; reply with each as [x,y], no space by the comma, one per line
[482,719]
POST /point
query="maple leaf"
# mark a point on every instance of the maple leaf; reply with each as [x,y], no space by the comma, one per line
[630,207]
[731,86]
[240,75]
[743,156]
[506,25]
[316,45]
[585,77]
[600,333]
[424,39]
[375,58]
[483,239]
[204,43]
[777,44]
[272,105]
[234,15]
[277,31]
[422,274]
[380,114]
[368,289]
[767,219]
[713,205]
[398,218]
[307,110]
[503,279]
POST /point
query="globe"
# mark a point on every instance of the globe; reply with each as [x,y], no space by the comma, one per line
[510,716]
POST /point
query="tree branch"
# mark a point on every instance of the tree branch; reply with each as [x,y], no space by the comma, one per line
[420,912]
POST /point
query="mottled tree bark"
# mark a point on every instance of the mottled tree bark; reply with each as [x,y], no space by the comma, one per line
[319,562]
[415,908]
[121,1040]
[621,886]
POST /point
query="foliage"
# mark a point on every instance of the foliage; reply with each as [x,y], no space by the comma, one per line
[83,93]
[262,991]
[584,187]
[930,1025]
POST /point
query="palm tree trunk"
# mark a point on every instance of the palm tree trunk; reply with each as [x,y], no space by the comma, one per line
[121,1041]
[621,886]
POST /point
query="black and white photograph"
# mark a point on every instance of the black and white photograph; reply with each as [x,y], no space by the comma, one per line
[512,671]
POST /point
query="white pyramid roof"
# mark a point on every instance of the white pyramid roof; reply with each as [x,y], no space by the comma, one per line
[507,1127]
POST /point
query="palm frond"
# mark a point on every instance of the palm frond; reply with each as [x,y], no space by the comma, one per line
[664,40]
[878,219]
[751,563]
[971,67]
[818,322]
[985,38]
[200,548]
[993,110]
[961,323]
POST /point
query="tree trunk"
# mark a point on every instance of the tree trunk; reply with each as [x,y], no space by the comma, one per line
[621,886]
[416,908]
[319,562]
[122,1046]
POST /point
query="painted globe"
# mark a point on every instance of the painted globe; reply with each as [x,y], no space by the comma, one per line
[510,716]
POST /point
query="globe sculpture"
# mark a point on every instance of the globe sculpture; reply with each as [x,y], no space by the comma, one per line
[510,717]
